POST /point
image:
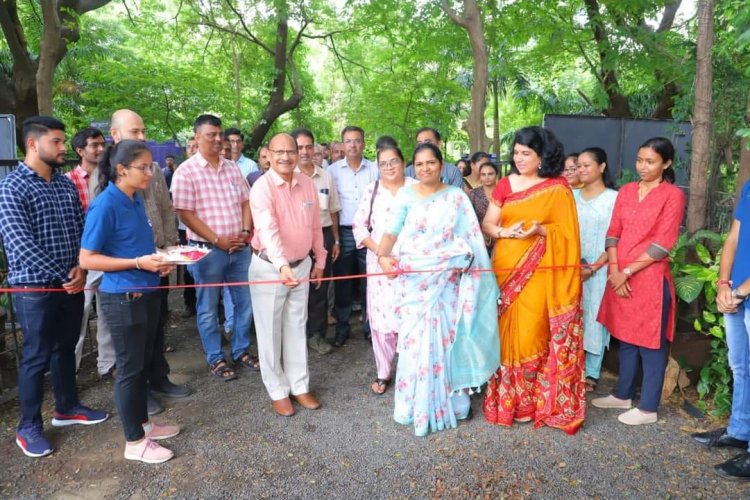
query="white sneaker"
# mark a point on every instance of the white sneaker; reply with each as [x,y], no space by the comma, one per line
[147,451]
[612,402]
[638,417]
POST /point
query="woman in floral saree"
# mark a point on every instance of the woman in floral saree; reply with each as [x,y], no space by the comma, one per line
[448,339]
[536,262]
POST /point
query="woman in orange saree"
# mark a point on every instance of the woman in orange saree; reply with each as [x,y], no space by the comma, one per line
[536,262]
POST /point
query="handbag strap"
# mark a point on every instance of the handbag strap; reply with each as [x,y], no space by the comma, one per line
[372,202]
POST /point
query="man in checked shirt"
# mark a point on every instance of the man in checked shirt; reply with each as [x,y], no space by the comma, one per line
[41,221]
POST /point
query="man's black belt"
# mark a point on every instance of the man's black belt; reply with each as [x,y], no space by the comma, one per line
[201,244]
[264,256]
[40,286]
[345,227]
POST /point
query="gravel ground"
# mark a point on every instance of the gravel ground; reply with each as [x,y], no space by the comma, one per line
[234,446]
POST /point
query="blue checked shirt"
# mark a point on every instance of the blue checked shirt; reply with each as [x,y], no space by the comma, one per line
[352,185]
[41,225]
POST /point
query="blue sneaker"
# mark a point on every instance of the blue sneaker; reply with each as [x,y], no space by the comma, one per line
[79,415]
[33,443]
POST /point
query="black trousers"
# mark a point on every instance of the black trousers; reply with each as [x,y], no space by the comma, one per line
[188,294]
[158,369]
[317,302]
[133,323]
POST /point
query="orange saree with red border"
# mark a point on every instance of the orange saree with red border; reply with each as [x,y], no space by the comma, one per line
[540,319]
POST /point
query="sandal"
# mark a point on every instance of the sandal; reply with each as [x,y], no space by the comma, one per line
[249,361]
[379,386]
[222,371]
[591,384]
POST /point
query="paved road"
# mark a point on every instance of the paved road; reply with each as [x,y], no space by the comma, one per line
[234,446]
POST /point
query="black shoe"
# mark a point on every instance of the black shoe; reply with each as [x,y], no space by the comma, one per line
[170,390]
[338,343]
[735,469]
[188,313]
[153,406]
[719,439]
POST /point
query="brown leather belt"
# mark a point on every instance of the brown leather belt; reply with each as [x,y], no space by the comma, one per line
[263,256]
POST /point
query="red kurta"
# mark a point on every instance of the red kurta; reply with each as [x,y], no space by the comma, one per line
[655,219]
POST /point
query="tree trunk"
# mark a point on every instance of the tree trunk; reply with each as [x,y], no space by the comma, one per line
[696,217]
[743,173]
[472,22]
[496,119]
[285,67]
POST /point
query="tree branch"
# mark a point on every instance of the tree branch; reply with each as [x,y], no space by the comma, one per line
[453,15]
[667,18]
[250,35]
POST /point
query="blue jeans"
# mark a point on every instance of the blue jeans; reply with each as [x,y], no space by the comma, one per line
[134,324]
[737,327]
[222,267]
[226,296]
[51,323]
[351,261]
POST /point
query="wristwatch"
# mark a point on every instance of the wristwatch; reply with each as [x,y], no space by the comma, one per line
[627,272]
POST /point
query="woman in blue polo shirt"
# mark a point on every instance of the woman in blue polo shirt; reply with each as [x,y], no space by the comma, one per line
[117,239]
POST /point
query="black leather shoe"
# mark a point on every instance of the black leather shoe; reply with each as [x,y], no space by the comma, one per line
[153,406]
[170,390]
[718,438]
[735,469]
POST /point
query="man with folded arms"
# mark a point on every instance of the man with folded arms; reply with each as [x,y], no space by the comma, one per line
[286,216]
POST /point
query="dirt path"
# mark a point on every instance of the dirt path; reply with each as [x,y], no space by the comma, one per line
[234,446]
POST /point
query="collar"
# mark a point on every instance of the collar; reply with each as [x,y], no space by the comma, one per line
[202,162]
[82,172]
[26,170]
[122,198]
[316,171]
[278,181]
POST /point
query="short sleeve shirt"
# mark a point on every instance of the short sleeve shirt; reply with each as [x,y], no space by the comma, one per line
[741,266]
[117,226]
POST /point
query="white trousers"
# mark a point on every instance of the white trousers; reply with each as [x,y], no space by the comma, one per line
[105,348]
[280,327]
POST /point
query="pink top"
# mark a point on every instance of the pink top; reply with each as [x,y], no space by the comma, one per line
[80,178]
[287,219]
[215,195]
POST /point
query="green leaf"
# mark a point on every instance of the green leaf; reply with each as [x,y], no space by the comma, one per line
[709,316]
[697,325]
[716,332]
[703,254]
[688,288]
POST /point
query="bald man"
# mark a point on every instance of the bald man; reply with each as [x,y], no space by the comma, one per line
[286,216]
[128,125]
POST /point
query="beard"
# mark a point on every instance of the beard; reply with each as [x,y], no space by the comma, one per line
[51,161]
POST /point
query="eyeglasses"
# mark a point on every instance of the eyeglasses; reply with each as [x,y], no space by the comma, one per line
[571,170]
[353,141]
[392,163]
[278,153]
[145,169]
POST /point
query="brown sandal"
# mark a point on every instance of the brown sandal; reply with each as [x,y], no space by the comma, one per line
[591,384]
[222,371]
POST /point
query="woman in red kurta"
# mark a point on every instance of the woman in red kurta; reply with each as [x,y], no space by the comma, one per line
[639,304]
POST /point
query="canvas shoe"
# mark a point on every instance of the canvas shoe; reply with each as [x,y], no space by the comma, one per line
[637,417]
[156,431]
[33,443]
[79,415]
[147,451]
[612,402]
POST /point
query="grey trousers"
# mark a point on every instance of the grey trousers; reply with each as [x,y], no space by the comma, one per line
[106,350]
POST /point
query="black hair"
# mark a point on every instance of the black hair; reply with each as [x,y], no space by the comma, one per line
[233,131]
[80,140]
[304,132]
[385,141]
[572,155]
[467,166]
[352,128]
[478,156]
[37,126]
[169,156]
[665,149]
[390,147]
[491,164]
[207,120]
[438,138]
[545,145]
[122,153]
[432,147]
[600,156]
